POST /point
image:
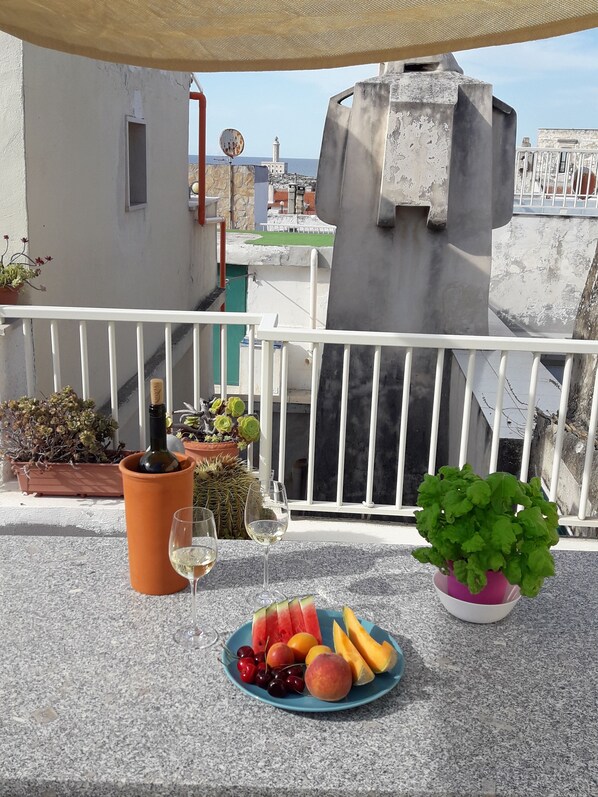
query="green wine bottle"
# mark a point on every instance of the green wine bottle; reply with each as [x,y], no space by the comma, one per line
[158,459]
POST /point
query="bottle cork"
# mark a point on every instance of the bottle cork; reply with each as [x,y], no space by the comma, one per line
[156,391]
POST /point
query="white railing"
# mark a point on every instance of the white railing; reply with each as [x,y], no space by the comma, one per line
[296,222]
[264,328]
[173,323]
[556,180]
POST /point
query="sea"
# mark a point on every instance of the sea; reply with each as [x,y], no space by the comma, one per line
[305,166]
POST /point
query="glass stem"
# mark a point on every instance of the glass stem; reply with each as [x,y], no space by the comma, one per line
[266,568]
[193,582]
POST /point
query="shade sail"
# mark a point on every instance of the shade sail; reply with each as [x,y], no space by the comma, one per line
[247,35]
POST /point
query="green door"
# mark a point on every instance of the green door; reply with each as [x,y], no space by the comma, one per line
[236,302]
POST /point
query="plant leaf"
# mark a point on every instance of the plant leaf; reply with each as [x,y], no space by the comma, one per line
[475,543]
[503,535]
[479,493]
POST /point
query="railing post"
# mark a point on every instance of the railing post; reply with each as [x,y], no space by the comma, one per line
[266,412]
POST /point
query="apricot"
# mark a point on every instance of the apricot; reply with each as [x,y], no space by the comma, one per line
[301,644]
[280,655]
[315,651]
[329,677]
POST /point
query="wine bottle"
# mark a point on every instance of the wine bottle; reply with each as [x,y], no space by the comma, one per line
[158,459]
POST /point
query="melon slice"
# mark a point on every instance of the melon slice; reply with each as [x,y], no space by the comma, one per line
[362,673]
[296,616]
[310,617]
[394,656]
[285,624]
[271,625]
[379,657]
[258,631]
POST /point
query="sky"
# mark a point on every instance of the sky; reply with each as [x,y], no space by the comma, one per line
[550,83]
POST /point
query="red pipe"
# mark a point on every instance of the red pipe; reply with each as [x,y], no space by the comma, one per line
[201,156]
[201,180]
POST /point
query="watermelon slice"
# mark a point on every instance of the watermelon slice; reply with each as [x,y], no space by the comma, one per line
[272,625]
[296,616]
[285,624]
[310,617]
[258,631]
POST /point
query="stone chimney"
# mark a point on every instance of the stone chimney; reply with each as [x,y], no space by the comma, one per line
[300,199]
[292,204]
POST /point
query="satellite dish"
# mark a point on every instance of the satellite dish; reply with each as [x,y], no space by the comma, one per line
[232,142]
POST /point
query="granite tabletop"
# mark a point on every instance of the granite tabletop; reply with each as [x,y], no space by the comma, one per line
[97,699]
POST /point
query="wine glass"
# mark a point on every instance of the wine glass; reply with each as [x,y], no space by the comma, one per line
[266,520]
[193,548]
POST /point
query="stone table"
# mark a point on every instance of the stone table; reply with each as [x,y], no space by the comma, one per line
[97,699]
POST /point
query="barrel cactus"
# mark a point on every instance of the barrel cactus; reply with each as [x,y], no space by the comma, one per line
[222,484]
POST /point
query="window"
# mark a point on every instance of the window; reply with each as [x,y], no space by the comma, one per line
[565,144]
[136,196]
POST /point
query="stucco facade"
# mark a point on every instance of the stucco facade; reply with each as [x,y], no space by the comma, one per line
[539,267]
[556,137]
[64,160]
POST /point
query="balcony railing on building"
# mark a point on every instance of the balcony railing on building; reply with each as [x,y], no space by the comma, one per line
[556,181]
[509,370]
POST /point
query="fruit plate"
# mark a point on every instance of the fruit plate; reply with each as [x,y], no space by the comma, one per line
[358,696]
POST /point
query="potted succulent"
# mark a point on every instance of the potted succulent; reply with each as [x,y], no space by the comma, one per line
[222,484]
[482,531]
[17,270]
[218,428]
[60,445]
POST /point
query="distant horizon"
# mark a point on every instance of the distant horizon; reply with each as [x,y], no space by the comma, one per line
[307,167]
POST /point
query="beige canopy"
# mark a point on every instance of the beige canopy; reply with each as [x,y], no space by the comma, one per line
[247,35]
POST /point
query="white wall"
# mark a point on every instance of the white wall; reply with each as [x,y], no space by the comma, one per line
[282,279]
[106,256]
[13,204]
[539,268]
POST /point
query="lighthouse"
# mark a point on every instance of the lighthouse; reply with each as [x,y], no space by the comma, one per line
[276,166]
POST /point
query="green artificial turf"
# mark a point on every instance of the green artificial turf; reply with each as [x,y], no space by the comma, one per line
[291,239]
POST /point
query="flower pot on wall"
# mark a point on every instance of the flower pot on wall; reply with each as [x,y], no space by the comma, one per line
[96,479]
[151,499]
[202,451]
[493,592]
[9,295]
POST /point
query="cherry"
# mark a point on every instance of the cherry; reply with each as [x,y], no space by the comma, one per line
[277,688]
[245,651]
[249,672]
[243,662]
[263,678]
[296,669]
[259,657]
[294,684]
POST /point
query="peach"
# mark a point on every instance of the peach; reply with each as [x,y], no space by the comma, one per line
[329,677]
[301,644]
[280,655]
[315,651]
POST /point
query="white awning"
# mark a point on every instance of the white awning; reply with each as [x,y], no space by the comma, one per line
[253,35]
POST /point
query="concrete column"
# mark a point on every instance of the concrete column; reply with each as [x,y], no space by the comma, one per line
[300,199]
[292,203]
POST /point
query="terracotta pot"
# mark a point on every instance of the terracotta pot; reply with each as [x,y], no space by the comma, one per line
[202,451]
[9,295]
[59,478]
[492,593]
[151,499]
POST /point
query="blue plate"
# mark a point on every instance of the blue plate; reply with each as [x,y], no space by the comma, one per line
[358,696]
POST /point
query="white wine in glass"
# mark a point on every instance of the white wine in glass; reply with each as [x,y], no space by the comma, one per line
[266,520]
[193,549]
